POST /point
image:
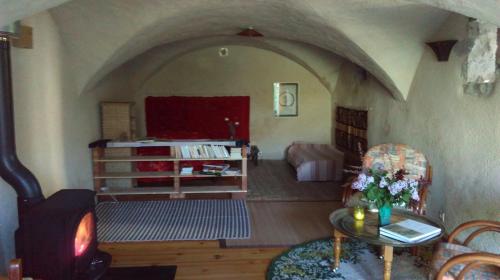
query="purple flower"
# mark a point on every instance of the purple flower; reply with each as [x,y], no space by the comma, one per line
[413,183]
[383,183]
[360,183]
[414,194]
[370,179]
[397,187]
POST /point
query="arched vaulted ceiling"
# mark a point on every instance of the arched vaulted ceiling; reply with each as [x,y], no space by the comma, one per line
[384,37]
[322,64]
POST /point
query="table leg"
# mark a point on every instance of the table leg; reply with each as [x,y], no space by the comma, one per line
[336,249]
[387,262]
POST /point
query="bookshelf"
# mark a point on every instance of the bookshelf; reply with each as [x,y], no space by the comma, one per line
[198,183]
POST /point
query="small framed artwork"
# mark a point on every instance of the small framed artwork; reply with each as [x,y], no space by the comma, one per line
[286,99]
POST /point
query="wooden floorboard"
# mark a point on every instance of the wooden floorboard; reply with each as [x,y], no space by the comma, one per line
[275,180]
[287,223]
[195,260]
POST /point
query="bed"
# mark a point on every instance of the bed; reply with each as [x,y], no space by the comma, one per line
[315,162]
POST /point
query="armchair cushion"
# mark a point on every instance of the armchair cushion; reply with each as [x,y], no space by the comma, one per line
[396,156]
[446,251]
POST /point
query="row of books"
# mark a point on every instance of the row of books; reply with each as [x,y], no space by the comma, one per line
[204,151]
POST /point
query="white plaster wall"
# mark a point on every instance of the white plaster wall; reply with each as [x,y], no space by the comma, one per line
[248,71]
[53,123]
[459,133]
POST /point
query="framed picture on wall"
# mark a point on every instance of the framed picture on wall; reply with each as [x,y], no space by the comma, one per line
[286,99]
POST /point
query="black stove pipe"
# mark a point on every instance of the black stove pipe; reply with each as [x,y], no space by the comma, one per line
[11,169]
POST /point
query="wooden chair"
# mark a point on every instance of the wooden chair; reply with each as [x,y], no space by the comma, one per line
[392,157]
[455,260]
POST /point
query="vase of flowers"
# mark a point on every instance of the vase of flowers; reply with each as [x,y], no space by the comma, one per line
[385,190]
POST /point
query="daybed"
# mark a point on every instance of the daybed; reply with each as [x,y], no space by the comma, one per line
[315,162]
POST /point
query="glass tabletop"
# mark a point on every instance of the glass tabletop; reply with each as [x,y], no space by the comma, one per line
[367,230]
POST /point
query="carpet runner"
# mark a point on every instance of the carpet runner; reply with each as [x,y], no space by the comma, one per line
[358,261]
[131,221]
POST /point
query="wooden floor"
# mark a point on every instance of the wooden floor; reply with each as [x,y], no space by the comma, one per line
[272,223]
[195,260]
[275,180]
[287,223]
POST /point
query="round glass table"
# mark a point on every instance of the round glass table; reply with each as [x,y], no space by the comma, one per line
[367,230]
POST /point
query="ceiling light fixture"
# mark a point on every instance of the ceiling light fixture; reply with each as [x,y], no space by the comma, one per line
[250,32]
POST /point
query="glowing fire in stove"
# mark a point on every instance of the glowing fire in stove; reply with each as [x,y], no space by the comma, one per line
[84,234]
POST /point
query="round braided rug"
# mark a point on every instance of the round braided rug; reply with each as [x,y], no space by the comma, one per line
[313,260]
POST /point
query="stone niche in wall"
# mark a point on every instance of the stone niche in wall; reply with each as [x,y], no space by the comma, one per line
[479,70]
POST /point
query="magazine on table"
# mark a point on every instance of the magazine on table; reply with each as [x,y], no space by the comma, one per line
[410,231]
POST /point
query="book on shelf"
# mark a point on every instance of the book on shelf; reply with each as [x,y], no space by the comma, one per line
[232,171]
[410,231]
[185,152]
[235,153]
[225,152]
[216,168]
[187,170]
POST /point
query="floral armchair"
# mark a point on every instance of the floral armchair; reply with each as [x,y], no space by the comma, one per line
[392,157]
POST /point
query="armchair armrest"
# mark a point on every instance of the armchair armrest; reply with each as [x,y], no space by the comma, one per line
[472,260]
[484,226]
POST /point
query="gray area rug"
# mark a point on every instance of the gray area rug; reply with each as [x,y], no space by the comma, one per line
[275,180]
[129,221]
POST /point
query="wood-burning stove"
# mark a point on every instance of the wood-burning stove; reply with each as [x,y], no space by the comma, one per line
[57,237]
